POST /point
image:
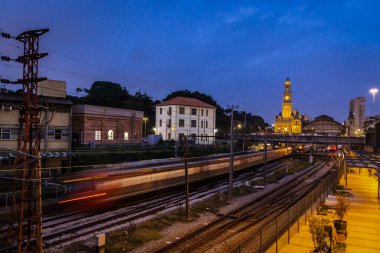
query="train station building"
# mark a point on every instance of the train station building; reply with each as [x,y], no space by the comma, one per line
[289,120]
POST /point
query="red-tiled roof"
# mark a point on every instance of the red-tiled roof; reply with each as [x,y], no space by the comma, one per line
[186,102]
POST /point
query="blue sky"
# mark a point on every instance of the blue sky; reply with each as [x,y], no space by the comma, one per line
[240,52]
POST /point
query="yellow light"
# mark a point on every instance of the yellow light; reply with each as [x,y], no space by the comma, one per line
[82,179]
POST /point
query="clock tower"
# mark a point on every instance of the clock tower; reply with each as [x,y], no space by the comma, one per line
[289,121]
[287,104]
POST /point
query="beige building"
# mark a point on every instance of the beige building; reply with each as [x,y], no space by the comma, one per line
[357,107]
[56,133]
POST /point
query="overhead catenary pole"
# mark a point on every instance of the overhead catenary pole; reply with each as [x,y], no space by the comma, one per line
[231,174]
[28,206]
[265,159]
[185,156]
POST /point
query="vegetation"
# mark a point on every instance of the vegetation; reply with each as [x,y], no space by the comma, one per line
[341,207]
[317,230]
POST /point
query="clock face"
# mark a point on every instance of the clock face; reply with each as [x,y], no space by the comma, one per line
[287,97]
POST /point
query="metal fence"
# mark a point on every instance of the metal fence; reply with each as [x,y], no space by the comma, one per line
[275,233]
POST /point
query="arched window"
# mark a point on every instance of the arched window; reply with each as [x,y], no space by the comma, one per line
[110,135]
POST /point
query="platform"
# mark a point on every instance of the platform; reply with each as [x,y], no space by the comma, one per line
[363,219]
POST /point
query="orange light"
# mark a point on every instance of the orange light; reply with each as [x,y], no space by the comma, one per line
[80,198]
[81,179]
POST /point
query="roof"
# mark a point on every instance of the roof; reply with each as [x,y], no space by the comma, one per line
[323,118]
[4,97]
[186,102]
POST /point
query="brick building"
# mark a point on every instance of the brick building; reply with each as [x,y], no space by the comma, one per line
[105,125]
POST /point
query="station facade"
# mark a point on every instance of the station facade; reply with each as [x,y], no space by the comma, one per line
[289,120]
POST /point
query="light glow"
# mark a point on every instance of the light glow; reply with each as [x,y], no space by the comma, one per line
[373,91]
[81,198]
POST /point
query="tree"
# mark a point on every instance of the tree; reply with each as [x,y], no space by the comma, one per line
[106,94]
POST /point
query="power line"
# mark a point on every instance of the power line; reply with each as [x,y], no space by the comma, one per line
[105,69]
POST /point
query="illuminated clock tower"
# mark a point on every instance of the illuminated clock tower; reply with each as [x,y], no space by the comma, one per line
[287,105]
[289,121]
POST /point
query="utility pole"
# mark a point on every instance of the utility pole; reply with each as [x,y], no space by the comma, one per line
[231,175]
[29,212]
[185,154]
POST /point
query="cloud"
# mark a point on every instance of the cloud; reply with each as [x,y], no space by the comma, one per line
[239,15]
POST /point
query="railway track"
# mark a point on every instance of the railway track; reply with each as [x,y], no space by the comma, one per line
[68,227]
[248,216]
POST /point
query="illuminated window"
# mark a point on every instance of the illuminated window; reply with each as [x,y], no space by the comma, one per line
[98,135]
[110,135]
[126,136]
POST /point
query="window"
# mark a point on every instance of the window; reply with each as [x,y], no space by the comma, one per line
[202,112]
[206,112]
[160,110]
[206,124]
[170,111]
[202,124]
[182,110]
[181,123]
[160,122]
[57,134]
[126,137]
[5,133]
[168,123]
[201,137]
[98,135]
[193,123]
[110,135]
[193,111]
[169,136]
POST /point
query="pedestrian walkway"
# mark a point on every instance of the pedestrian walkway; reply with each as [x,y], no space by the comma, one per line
[363,219]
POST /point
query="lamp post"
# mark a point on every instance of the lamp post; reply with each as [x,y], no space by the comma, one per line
[145,120]
[373,91]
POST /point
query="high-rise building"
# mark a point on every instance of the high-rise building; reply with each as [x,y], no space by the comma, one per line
[357,107]
[289,121]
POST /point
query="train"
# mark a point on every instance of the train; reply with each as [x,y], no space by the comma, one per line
[133,182]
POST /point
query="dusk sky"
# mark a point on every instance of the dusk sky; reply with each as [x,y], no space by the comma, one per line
[238,52]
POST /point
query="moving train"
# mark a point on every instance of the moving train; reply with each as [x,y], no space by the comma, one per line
[132,182]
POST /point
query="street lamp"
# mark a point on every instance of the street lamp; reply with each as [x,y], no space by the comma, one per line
[145,120]
[373,91]
[155,130]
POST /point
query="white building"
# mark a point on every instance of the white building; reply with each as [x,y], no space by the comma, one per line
[357,107]
[182,116]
